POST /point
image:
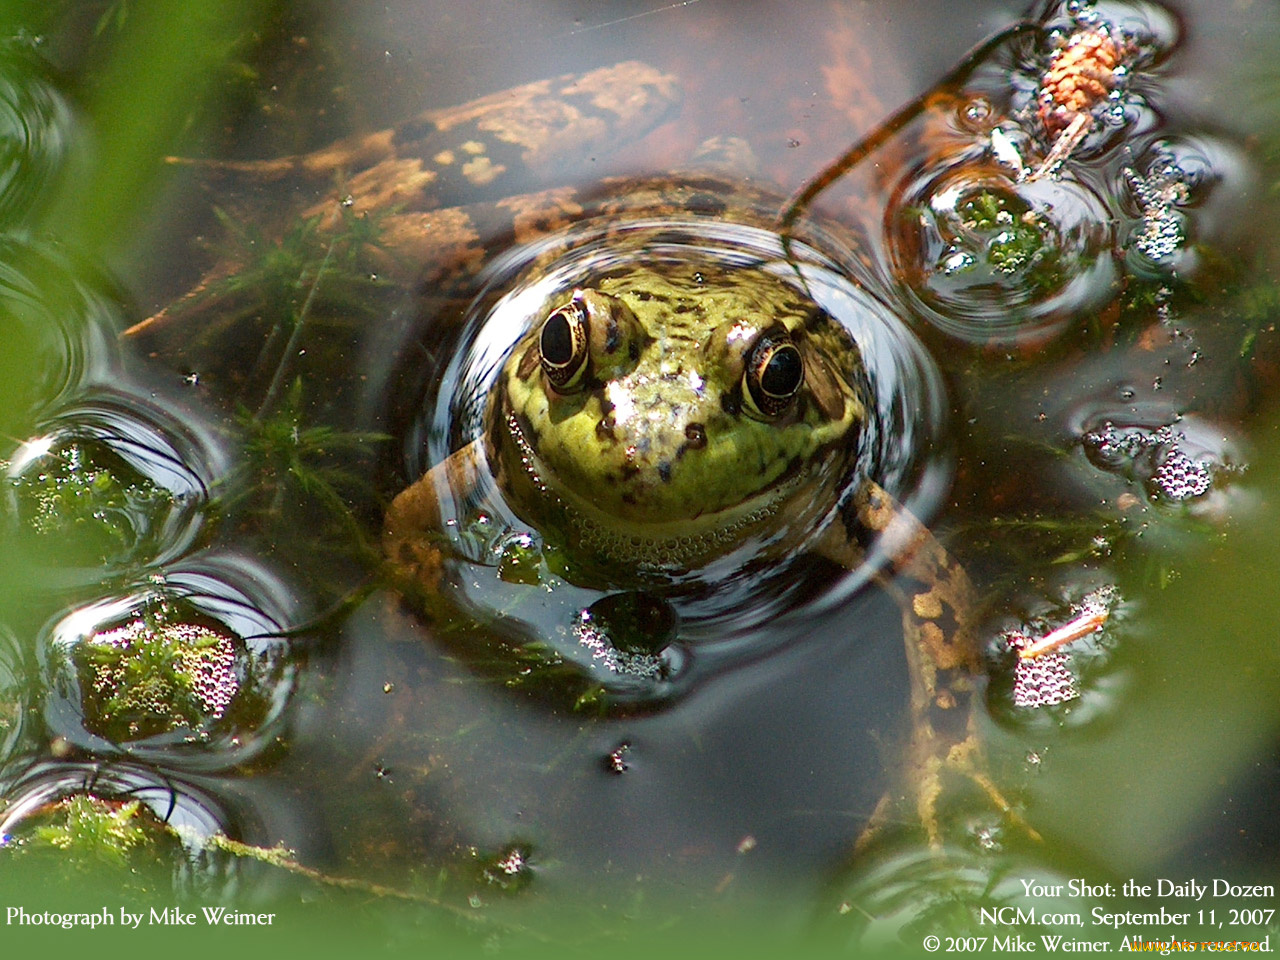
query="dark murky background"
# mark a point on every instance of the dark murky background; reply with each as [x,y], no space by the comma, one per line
[433,759]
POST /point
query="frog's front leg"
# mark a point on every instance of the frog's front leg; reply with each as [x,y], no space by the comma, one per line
[937,601]
[413,532]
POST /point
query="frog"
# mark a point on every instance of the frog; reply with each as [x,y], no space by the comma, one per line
[658,420]
[655,421]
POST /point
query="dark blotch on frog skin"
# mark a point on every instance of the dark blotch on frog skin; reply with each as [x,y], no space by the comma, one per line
[944,714]
[707,204]
[414,131]
[858,532]
[664,471]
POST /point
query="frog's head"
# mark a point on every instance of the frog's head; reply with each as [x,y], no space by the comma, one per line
[667,416]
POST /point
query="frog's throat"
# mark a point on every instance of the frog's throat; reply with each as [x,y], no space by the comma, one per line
[657,545]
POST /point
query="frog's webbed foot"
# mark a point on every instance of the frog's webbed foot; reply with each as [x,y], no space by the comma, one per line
[413,536]
[937,601]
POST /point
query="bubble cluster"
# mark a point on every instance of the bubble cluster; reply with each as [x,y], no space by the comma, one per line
[155,676]
[605,654]
[1055,664]
[1041,187]
[1042,681]
[616,760]
[1042,674]
[1156,457]
[1178,477]
[1159,194]
[509,870]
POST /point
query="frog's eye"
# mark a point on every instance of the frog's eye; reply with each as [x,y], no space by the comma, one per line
[773,375]
[563,346]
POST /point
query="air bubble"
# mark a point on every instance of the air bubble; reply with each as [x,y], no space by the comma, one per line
[194,675]
[983,256]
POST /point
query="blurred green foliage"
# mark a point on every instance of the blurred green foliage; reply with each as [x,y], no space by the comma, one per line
[144,77]
[160,63]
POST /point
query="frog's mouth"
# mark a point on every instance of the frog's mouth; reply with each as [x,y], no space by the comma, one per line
[672,545]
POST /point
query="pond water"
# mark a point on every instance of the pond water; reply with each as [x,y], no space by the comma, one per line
[1068,374]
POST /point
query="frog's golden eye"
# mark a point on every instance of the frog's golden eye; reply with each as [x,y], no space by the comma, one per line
[563,346]
[773,375]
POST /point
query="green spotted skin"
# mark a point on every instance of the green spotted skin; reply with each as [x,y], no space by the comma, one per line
[657,458]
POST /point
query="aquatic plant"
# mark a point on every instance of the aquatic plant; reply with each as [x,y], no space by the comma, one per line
[75,496]
[290,467]
[86,827]
[154,675]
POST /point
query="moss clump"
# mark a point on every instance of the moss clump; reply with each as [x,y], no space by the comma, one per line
[88,828]
[1015,237]
[151,676]
[86,501]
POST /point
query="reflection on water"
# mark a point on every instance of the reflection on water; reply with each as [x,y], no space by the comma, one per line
[57,324]
[162,825]
[35,127]
[1066,341]
[906,894]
